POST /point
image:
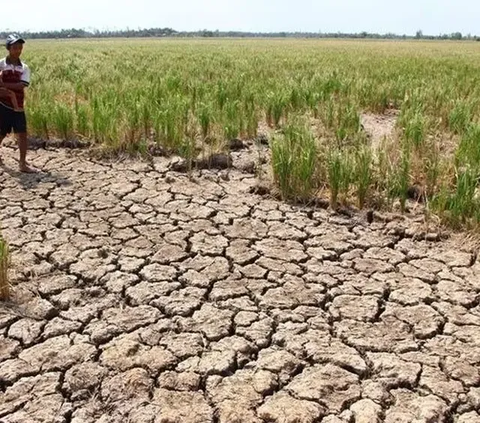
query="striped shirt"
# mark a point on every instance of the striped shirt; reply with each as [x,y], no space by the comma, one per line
[13,74]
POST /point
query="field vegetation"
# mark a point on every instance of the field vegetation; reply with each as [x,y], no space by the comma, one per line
[195,95]
[4,269]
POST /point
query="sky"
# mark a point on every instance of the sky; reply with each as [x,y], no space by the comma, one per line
[401,16]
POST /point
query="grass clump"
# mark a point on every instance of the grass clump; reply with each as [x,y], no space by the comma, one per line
[4,268]
[363,173]
[294,162]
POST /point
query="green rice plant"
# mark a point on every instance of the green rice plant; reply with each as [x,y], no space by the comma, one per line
[132,123]
[349,123]
[38,121]
[186,149]
[221,94]
[415,130]
[251,123]
[104,123]
[294,155]
[169,129]
[372,97]
[380,102]
[339,173]
[460,117]
[206,119]
[232,120]
[432,170]
[332,84]
[381,164]
[460,205]
[305,159]
[400,178]
[4,270]
[282,165]
[329,114]
[404,178]
[363,174]
[468,151]
[146,118]
[413,123]
[83,119]
[299,94]
[313,102]
[251,116]
[276,107]
[63,119]
[439,202]
[170,124]
[342,119]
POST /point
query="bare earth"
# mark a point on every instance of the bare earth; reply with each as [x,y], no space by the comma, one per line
[141,296]
[379,127]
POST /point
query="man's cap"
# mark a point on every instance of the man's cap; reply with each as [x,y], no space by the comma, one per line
[14,38]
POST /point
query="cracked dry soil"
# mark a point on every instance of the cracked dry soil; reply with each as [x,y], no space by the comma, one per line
[142,296]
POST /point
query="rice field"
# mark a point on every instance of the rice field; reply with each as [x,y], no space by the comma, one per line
[192,95]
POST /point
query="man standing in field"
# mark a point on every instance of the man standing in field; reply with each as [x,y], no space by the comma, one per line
[15,76]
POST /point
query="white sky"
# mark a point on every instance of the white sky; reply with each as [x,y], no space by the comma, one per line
[406,16]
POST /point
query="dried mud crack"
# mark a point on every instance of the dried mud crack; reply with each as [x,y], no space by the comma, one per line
[143,295]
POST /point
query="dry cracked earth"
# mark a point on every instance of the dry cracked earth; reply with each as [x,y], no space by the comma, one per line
[143,296]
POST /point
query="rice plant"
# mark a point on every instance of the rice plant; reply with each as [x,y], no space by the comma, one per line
[232,120]
[83,120]
[276,106]
[462,202]
[206,119]
[339,170]
[363,175]
[460,117]
[198,91]
[342,120]
[294,159]
[415,130]
[432,170]
[399,179]
[4,269]
[459,206]
[63,120]
[468,151]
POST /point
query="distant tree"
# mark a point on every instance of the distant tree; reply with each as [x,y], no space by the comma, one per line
[169,32]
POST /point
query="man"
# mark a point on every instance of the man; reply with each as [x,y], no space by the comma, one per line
[15,76]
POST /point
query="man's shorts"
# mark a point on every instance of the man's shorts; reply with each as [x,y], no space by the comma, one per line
[11,121]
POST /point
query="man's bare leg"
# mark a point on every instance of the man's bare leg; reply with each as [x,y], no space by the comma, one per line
[23,146]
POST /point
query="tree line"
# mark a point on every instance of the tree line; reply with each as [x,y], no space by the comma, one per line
[169,32]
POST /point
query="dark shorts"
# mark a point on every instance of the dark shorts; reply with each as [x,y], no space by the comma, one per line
[11,121]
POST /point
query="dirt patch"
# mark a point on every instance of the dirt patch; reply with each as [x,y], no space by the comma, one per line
[144,295]
[379,127]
